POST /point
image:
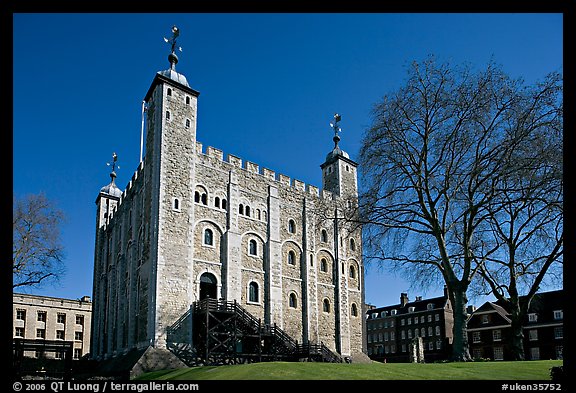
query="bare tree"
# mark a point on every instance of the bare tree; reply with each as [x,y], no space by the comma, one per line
[431,163]
[37,252]
[522,239]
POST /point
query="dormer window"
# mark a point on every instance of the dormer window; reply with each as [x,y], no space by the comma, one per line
[429,306]
[410,309]
[558,314]
[393,312]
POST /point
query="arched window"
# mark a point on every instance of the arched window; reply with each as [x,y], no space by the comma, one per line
[352,245]
[352,272]
[323,265]
[167,115]
[253,292]
[293,301]
[208,237]
[205,199]
[326,305]
[324,236]
[253,247]
[175,205]
[187,123]
[169,92]
[241,209]
[291,258]
[217,202]
[291,226]
[258,214]
[197,197]
[187,100]
[247,211]
[224,205]
[354,310]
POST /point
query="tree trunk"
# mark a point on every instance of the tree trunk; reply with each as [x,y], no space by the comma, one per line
[460,349]
[517,337]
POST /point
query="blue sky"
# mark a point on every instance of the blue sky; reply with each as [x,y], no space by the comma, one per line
[269,85]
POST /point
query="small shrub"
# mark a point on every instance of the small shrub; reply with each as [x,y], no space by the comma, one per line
[557,374]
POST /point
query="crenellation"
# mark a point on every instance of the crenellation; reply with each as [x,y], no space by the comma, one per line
[251,167]
[234,160]
[215,153]
[299,185]
[312,190]
[199,148]
[270,174]
[283,179]
[327,195]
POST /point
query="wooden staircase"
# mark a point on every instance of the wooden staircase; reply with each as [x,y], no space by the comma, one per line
[225,333]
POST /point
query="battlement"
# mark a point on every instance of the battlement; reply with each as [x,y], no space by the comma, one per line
[252,167]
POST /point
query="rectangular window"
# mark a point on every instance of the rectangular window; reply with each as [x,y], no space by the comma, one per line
[559,332]
[21,315]
[392,336]
[403,334]
[485,318]
[476,337]
[533,335]
[437,317]
[80,320]
[77,353]
[385,336]
[402,322]
[431,346]
[496,335]
[558,314]
[429,317]
[498,353]
[477,353]
[40,333]
[403,347]
[61,318]
[41,316]
[532,317]
[19,332]
[409,321]
[535,353]
[59,334]
[78,336]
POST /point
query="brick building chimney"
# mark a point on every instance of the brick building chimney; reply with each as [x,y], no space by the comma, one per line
[403,299]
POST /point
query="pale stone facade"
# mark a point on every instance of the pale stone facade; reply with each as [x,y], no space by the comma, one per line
[192,223]
[49,318]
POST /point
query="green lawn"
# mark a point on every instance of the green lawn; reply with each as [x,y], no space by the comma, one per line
[526,370]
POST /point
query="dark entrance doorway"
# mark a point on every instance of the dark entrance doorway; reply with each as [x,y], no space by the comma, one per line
[207,286]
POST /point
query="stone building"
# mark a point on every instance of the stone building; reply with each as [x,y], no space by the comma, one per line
[53,319]
[192,223]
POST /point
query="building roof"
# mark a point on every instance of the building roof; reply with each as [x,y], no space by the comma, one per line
[419,305]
